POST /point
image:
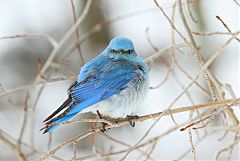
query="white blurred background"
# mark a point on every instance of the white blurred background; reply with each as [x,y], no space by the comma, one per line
[19,67]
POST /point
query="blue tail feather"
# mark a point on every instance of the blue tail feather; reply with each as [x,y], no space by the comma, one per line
[60,120]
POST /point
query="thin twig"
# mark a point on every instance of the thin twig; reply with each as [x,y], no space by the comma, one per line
[190,13]
[125,144]
[48,38]
[66,37]
[152,58]
[24,123]
[225,149]
[140,119]
[77,34]
[19,154]
[74,151]
[196,51]
[237,2]
[226,26]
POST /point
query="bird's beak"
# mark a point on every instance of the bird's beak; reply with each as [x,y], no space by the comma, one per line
[122,51]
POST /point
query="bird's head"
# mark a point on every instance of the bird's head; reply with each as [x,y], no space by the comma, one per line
[121,47]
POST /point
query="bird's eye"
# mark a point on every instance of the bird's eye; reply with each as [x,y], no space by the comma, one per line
[122,51]
[113,51]
[129,51]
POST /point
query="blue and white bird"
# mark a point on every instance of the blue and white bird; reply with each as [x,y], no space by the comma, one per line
[113,84]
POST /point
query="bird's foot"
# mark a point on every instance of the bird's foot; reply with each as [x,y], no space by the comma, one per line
[99,115]
[129,117]
[103,129]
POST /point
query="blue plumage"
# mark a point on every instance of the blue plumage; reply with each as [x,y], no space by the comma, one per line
[117,78]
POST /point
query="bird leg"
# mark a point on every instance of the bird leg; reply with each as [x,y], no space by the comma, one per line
[129,117]
[103,129]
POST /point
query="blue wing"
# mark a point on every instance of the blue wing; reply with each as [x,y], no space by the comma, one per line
[101,83]
[97,81]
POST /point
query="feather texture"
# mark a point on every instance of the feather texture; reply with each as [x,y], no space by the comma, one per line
[117,78]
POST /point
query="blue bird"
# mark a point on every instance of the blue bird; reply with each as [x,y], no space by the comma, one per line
[113,85]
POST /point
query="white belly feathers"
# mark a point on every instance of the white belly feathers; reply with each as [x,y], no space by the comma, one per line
[122,104]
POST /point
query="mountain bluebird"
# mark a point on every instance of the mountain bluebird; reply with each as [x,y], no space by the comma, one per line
[111,85]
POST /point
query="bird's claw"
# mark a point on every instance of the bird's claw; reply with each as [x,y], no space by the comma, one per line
[103,129]
[129,117]
[132,123]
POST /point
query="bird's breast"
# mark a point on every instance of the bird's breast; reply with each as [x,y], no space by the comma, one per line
[126,102]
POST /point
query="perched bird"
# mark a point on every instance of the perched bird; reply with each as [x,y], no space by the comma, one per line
[111,85]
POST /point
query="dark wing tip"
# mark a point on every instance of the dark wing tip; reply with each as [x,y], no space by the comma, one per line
[72,86]
[42,128]
[48,118]
[45,129]
[64,105]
